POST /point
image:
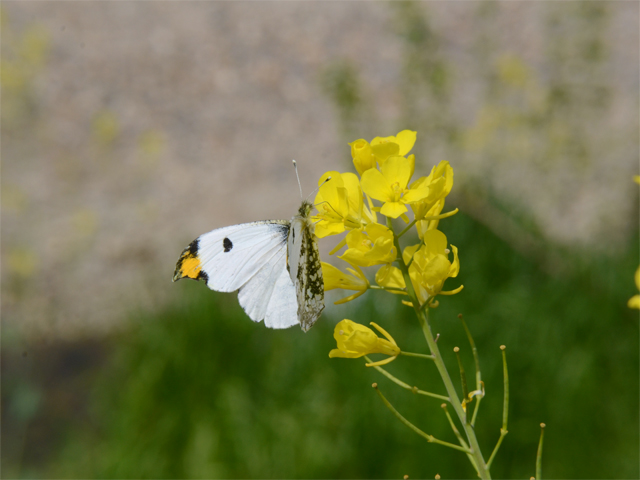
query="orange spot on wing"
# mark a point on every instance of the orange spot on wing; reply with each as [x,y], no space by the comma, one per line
[190,267]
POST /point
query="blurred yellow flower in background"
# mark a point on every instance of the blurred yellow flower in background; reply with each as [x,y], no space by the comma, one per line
[634,302]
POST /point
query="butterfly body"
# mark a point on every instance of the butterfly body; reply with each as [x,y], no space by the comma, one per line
[274,265]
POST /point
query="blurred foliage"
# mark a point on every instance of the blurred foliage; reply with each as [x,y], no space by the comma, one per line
[200,391]
[23,57]
[341,82]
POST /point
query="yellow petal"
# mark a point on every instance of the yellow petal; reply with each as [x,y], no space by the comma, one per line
[325,229]
[416,194]
[406,139]
[634,302]
[393,209]
[383,332]
[390,276]
[408,252]
[437,270]
[455,266]
[436,242]
[376,185]
[382,151]
[381,362]
[363,158]
[397,170]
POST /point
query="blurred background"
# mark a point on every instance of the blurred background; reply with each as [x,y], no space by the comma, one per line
[130,128]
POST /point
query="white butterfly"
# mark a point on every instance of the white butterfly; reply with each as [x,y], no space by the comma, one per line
[274,265]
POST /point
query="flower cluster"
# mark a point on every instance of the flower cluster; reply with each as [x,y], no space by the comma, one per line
[385,188]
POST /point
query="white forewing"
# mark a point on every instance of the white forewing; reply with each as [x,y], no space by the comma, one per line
[274,265]
[232,256]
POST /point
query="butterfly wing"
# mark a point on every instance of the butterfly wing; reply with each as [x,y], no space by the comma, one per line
[305,269]
[251,258]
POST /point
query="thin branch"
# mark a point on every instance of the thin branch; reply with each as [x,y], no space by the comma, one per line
[419,355]
[406,386]
[390,289]
[457,433]
[463,380]
[505,407]
[539,455]
[407,228]
[430,438]
[505,403]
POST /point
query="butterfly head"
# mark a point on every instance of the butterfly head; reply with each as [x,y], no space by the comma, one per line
[305,209]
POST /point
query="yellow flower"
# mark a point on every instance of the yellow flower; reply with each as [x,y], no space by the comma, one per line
[389,185]
[335,278]
[440,182]
[634,302]
[431,266]
[340,205]
[355,340]
[363,158]
[366,154]
[372,245]
[401,144]
[423,226]
[390,277]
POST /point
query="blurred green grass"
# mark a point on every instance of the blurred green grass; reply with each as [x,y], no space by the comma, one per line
[201,392]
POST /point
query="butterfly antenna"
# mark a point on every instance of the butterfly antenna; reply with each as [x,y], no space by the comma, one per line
[295,166]
[318,187]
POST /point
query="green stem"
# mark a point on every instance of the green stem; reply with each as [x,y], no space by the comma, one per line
[406,386]
[505,407]
[483,471]
[475,411]
[463,378]
[419,355]
[478,374]
[407,228]
[505,402]
[391,289]
[430,438]
[539,455]
[497,447]
[457,433]
[475,353]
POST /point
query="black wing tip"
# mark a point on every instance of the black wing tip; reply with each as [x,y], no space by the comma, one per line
[191,251]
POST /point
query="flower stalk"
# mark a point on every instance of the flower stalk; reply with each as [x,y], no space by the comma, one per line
[483,471]
[505,406]
[417,272]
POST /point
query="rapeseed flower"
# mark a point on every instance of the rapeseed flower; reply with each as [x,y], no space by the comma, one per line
[390,185]
[372,245]
[336,278]
[340,205]
[355,340]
